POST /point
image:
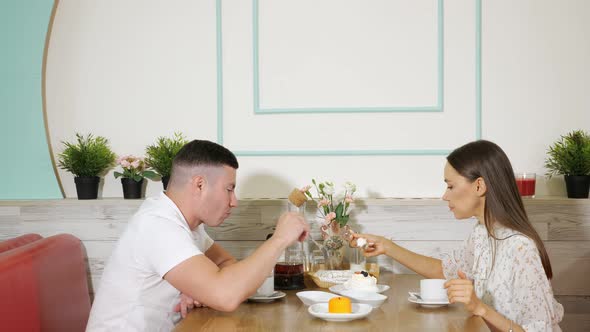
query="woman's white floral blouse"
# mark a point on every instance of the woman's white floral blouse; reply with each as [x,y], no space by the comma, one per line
[515,284]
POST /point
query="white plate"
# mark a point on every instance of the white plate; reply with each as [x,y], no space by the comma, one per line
[320,310]
[313,297]
[333,276]
[275,296]
[338,289]
[428,304]
[373,299]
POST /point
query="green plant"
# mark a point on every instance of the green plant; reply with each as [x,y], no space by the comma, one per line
[160,155]
[89,156]
[570,155]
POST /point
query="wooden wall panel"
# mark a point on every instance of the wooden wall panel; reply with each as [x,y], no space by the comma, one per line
[423,225]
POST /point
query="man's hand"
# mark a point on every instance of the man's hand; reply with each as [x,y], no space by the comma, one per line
[291,227]
[186,304]
[461,291]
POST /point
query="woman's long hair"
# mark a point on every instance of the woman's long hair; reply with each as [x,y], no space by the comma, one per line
[503,203]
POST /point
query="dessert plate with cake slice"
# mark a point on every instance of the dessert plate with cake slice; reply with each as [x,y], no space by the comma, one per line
[360,281]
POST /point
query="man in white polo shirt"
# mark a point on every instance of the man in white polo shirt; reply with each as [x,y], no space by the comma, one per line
[165,250]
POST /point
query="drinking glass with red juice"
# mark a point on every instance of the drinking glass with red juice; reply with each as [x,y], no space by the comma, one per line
[526,184]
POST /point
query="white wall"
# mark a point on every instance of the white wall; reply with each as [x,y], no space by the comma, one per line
[135,70]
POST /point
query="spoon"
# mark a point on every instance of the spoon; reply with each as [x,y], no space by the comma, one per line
[416,295]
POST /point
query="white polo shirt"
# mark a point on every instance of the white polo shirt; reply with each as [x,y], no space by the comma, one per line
[133,296]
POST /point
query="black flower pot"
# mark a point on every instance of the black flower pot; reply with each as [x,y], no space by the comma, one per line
[165,180]
[132,189]
[577,186]
[87,186]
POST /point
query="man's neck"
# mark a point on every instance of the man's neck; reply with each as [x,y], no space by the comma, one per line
[184,206]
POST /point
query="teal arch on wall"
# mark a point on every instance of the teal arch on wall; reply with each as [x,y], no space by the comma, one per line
[26,168]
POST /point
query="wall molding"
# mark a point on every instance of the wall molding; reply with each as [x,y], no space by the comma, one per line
[344,152]
[428,108]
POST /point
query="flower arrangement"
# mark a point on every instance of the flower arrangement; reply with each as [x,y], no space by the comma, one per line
[332,207]
[134,168]
[335,211]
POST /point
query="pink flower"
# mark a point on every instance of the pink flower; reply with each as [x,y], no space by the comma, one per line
[125,163]
[330,216]
[136,163]
[323,202]
[348,199]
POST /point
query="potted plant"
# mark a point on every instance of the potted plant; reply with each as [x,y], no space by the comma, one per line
[134,171]
[160,155]
[570,156]
[88,158]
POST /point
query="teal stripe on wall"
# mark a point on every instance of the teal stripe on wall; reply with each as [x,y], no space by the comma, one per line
[26,170]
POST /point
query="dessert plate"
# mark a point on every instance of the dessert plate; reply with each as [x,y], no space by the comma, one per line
[428,304]
[275,296]
[338,289]
[373,299]
[313,297]
[320,310]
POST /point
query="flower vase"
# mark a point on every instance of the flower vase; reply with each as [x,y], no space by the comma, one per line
[132,189]
[334,258]
[335,243]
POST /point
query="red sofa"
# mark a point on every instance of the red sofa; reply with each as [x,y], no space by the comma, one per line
[18,241]
[44,287]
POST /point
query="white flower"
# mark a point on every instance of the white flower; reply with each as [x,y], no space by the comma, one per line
[329,188]
[350,187]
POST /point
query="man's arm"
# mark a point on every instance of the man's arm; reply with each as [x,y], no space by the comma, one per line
[225,288]
[219,256]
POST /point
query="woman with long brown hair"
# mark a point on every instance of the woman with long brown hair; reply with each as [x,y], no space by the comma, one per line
[502,271]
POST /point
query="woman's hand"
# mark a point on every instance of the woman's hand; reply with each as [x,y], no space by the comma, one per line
[186,304]
[461,291]
[376,245]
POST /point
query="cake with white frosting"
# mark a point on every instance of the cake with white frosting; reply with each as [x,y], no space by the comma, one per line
[361,281]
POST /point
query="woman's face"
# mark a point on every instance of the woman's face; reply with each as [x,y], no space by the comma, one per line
[465,198]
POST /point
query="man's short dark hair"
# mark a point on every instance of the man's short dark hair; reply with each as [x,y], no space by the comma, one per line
[204,153]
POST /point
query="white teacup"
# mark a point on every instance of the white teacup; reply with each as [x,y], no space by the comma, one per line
[433,290]
[267,288]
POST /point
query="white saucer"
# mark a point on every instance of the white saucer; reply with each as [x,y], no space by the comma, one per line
[338,289]
[275,296]
[320,310]
[313,297]
[428,304]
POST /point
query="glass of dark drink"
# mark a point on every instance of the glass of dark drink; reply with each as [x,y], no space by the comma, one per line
[289,275]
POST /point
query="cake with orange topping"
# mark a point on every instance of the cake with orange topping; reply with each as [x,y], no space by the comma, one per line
[339,305]
[362,281]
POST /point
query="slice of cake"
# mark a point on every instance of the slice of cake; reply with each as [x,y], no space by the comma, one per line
[362,281]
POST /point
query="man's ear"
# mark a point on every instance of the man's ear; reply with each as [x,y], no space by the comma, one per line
[480,186]
[198,183]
